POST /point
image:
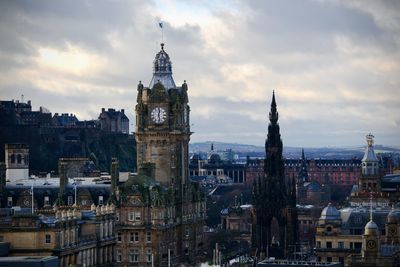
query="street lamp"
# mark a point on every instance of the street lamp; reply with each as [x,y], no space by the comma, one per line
[74,184]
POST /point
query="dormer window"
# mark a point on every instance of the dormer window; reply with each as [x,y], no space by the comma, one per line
[46,200]
[100,200]
[9,201]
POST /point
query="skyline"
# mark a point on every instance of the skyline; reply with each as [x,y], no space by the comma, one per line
[334,65]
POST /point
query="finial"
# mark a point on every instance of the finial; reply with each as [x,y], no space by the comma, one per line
[370,139]
[273,103]
[370,208]
[162,46]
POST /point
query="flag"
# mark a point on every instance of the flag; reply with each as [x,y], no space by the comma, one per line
[160,24]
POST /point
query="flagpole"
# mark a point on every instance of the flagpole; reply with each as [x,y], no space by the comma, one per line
[32,197]
[161,25]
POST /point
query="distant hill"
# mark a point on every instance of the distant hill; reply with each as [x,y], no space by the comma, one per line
[291,152]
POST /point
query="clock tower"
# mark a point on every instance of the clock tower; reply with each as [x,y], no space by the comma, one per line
[162,126]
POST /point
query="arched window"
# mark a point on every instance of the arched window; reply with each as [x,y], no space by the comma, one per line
[12,158]
[19,159]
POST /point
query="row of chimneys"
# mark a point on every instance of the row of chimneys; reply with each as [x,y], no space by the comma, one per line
[112,110]
[63,169]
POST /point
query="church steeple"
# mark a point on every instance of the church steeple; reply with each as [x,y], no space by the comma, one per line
[303,174]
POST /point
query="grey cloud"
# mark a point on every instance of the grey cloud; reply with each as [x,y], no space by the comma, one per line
[293,41]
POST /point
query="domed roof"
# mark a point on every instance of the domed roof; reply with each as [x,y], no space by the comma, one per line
[162,70]
[369,154]
[214,158]
[371,228]
[330,213]
[392,217]
[314,187]
[194,158]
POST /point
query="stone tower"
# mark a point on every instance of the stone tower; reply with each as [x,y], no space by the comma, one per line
[370,176]
[392,223]
[275,198]
[17,162]
[162,126]
[370,244]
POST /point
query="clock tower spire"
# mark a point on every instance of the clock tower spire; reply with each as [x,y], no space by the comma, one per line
[162,125]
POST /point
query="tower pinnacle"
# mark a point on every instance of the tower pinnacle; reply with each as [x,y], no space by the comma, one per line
[273,114]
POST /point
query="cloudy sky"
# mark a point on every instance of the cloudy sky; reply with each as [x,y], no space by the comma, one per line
[334,65]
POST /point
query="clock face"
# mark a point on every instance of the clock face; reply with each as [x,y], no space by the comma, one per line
[158,115]
[371,244]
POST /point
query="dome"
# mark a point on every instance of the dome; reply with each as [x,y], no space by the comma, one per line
[194,158]
[330,213]
[214,158]
[162,70]
[314,187]
[371,228]
[392,217]
[369,154]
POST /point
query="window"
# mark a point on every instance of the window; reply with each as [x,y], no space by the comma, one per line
[1,238]
[119,237]
[100,200]
[19,159]
[341,259]
[329,259]
[149,255]
[46,201]
[318,244]
[70,200]
[340,244]
[134,237]
[187,231]
[148,236]
[357,245]
[138,216]
[117,216]
[131,216]
[9,201]
[47,239]
[328,244]
[12,158]
[119,255]
[134,255]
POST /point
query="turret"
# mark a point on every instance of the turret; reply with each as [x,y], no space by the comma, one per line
[392,221]
[370,177]
[370,165]
[370,245]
